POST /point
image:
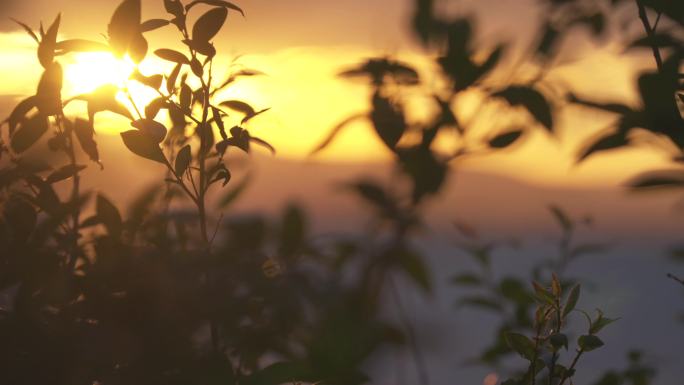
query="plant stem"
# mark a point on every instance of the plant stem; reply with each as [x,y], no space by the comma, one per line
[75,193]
[650,32]
[572,366]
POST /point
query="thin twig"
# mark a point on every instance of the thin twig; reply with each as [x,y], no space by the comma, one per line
[675,278]
[650,32]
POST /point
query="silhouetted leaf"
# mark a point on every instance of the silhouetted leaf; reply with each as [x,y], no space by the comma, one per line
[658,179]
[80,45]
[49,90]
[84,133]
[239,106]
[605,142]
[20,111]
[506,139]
[263,143]
[218,3]
[153,129]
[171,55]
[216,113]
[336,130]
[378,69]
[171,80]
[28,29]
[235,192]
[46,48]
[196,67]
[589,342]
[209,24]
[185,97]
[64,172]
[388,120]
[124,26]
[152,24]
[104,99]
[154,81]
[137,48]
[109,216]
[532,100]
[521,345]
[142,145]
[183,160]
[30,130]
[561,217]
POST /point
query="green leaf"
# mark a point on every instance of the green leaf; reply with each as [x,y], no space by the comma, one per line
[172,55]
[521,345]
[532,100]
[29,132]
[65,172]
[571,302]
[209,24]
[140,144]
[183,160]
[543,294]
[506,139]
[600,323]
[559,340]
[589,342]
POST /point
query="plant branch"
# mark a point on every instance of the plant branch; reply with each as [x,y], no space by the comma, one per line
[650,32]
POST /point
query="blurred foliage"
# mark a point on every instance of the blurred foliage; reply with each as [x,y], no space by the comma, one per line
[166,292]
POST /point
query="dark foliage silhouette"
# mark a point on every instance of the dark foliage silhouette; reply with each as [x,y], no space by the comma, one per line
[168,292]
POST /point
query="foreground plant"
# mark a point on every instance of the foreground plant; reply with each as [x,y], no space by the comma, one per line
[544,349]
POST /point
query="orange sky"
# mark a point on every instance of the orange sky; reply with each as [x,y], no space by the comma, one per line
[301,45]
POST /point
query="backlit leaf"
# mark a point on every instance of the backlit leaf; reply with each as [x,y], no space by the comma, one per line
[172,55]
[140,144]
[64,172]
[506,139]
[30,130]
[183,160]
[209,24]
[532,100]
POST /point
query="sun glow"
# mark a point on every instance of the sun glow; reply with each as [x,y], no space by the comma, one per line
[88,71]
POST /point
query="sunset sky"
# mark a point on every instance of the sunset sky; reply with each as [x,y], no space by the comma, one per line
[301,45]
